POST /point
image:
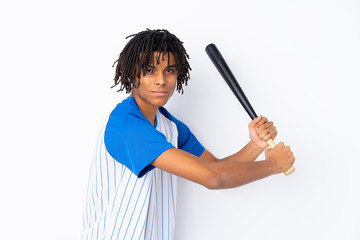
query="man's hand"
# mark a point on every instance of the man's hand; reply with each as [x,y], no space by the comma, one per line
[281,157]
[260,130]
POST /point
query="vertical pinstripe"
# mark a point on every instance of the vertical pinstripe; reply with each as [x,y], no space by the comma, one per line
[119,205]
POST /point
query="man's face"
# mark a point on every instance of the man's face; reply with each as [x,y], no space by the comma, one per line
[158,84]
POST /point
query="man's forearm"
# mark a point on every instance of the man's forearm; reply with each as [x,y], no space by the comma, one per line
[249,153]
[234,174]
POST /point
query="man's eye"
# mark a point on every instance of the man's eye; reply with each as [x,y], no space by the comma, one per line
[149,70]
[170,70]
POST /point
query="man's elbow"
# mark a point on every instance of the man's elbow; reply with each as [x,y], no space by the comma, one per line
[214,181]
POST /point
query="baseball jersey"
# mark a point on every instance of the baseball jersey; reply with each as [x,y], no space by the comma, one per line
[127,197]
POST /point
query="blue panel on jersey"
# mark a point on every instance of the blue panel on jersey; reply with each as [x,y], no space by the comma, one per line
[186,140]
[132,140]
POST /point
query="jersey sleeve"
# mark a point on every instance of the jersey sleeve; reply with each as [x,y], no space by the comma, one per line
[134,142]
[186,139]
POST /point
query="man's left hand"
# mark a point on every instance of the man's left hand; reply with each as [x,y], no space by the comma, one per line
[261,130]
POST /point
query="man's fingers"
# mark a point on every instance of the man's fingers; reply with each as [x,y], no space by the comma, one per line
[259,121]
[254,122]
[267,137]
[263,134]
[265,127]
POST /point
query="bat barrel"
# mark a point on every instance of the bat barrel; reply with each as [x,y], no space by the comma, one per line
[224,70]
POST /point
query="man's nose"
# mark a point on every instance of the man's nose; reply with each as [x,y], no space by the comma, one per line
[161,79]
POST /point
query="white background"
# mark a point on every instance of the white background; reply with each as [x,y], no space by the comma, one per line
[297,61]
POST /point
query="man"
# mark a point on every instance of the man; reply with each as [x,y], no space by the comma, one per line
[132,185]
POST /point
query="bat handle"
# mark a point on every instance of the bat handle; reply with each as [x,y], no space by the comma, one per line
[272,145]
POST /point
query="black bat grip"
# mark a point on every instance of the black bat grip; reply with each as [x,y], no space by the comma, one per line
[223,68]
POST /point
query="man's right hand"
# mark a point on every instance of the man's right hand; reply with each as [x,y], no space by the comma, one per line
[281,157]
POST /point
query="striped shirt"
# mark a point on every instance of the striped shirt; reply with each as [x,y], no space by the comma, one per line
[127,198]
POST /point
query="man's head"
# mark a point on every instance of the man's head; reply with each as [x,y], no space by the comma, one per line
[138,55]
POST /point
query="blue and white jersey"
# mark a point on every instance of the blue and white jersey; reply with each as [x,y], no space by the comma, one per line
[128,198]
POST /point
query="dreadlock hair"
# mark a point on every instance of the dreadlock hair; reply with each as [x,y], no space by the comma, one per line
[138,54]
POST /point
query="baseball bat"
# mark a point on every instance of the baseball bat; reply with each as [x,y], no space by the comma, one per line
[221,65]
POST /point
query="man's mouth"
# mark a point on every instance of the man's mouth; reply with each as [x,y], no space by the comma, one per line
[159,93]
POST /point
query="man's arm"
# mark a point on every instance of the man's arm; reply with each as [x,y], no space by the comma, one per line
[235,170]
[224,174]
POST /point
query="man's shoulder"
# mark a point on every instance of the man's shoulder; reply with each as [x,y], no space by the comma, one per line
[125,120]
[125,112]
[128,105]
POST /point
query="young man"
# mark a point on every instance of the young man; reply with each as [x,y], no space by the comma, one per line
[132,185]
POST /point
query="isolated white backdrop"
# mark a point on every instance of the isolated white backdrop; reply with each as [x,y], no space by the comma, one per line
[297,61]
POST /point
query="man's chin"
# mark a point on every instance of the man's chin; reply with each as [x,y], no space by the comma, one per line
[161,102]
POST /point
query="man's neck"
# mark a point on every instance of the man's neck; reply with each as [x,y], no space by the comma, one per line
[146,109]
